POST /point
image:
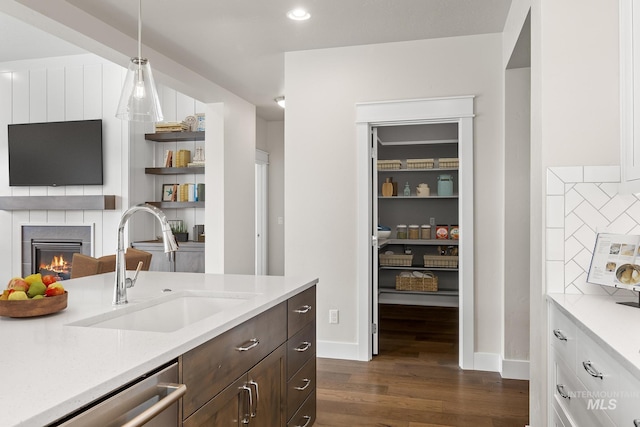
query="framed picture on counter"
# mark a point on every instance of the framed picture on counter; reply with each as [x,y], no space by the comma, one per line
[169,192]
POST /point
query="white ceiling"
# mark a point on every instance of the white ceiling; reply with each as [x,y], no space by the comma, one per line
[237,44]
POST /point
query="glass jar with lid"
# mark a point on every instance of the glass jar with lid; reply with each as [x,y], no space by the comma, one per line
[425,232]
[414,231]
[401,231]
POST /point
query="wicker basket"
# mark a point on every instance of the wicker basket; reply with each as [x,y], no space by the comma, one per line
[420,163]
[396,260]
[389,164]
[448,162]
[440,261]
[407,281]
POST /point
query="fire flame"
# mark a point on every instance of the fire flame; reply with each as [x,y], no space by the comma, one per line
[58,264]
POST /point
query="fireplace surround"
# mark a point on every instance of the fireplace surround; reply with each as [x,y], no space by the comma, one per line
[49,248]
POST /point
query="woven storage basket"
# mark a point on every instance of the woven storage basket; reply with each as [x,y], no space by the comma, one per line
[389,164]
[407,281]
[440,261]
[420,163]
[448,162]
[396,260]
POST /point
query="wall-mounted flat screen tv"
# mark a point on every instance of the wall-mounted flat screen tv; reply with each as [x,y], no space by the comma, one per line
[55,153]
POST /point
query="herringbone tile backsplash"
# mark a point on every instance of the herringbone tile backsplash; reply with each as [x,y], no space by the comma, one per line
[581,202]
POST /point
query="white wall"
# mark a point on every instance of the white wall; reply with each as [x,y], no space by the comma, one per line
[575,121]
[322,87]
[56,89]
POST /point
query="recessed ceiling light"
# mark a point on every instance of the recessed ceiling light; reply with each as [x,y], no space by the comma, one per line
[298,15]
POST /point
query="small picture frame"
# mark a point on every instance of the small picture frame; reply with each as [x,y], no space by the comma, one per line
[168,193]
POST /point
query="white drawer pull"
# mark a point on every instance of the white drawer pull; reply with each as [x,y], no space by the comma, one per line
[558,333]
[591,370]
[304,347]
[303,310]
[249,345]
[562,392]
[306,382]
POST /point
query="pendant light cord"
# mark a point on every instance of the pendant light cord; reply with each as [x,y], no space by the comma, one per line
[139,29]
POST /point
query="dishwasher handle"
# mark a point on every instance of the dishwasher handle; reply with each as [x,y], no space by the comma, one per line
[176,391]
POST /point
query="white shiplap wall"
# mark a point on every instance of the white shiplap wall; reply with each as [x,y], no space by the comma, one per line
[55,89]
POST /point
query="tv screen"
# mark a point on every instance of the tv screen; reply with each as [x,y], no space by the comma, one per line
[55,153]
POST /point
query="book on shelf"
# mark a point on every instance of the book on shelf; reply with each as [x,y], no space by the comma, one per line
[172,127]
[183,157]
[168,158]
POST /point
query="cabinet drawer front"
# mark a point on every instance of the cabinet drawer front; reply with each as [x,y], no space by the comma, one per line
[301,311]
[594,367]
[306,415]
[225,409]
[207,369]
[300,348]
[628,402]
[300,386]
[562,336]
[567,395]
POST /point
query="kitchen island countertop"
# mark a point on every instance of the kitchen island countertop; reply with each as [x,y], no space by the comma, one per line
[50,369]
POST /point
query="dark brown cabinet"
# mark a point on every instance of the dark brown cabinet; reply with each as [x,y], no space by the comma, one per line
[260,373]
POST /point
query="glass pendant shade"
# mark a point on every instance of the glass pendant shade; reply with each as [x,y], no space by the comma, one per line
[139,99]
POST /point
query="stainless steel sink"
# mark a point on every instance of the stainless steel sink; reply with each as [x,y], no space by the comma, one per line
[165,314]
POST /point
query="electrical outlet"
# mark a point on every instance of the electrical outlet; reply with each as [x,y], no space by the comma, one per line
[432,221]
[333,316]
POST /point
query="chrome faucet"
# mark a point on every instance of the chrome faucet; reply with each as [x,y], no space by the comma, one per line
[170,245]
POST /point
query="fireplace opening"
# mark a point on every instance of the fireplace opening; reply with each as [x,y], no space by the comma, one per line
[54,257]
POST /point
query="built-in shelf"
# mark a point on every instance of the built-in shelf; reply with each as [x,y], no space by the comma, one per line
[177,205]
[174,136]
[428,242]
[381,171]
[173,171]
[67,203]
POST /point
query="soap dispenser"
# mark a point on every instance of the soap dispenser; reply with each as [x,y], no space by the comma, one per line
[407,190]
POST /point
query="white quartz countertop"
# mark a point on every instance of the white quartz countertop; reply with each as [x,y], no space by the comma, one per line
[613,326]
[49,369]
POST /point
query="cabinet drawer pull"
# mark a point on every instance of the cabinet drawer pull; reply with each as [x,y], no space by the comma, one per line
[562,392]
[636,423]
[249,345]
[303,310]
[306,382]
[306,417]
[304,347]
[254,407]
[246,413]
[558,333]
[591,370]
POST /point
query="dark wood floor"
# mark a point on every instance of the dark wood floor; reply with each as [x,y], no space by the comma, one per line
[415,381]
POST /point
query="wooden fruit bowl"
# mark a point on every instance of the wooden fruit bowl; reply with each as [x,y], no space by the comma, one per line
[33,308]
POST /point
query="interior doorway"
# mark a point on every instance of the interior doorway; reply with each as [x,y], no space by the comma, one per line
[459,111]
[261,226]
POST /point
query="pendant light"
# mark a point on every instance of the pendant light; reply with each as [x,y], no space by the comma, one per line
[139,99]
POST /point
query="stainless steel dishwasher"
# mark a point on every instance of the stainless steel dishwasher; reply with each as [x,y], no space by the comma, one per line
[151,400]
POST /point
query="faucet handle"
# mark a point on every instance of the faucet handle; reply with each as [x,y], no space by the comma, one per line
[132,281]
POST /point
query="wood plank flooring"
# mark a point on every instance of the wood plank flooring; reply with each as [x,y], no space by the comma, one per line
[416,381]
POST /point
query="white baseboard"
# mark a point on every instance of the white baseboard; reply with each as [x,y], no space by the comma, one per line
[515,369]
[337,350]
[492,362]
[508,368]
